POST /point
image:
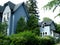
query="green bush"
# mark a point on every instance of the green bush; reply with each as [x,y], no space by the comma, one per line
[26,38]
[58,40]
[46,40]
[29,38]
[4,40]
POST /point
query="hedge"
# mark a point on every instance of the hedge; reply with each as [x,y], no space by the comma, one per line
[4,40]
[26,38]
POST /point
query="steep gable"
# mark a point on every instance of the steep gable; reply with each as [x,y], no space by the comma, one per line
[48,23]
[11,5]
[24,6]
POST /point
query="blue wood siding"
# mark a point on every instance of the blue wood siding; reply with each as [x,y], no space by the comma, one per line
[20,12]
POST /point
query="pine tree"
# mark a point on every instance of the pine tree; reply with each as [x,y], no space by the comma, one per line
[21,25]
[32,7]
[33,19]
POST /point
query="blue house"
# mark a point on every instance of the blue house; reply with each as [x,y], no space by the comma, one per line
[11,13]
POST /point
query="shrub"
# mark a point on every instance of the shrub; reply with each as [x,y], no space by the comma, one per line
[4,40]
[25,38]
[58,40]
[46,40]
[29,38]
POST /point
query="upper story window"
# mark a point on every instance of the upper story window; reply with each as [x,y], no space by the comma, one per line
[8,16]
[4,13]
[25,19]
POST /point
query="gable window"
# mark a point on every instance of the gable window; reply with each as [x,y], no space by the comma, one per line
[8,16]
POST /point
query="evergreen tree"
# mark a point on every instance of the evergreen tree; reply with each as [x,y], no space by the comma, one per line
[21,25]
[57,28]
[33,19]
[33,25]
[32,7]
[32,22]
[3,28]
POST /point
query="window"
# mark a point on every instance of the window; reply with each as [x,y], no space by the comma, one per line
[8,16]
[51,32]
[40,34]
[45,33]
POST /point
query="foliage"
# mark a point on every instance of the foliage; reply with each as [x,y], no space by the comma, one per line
[33,19]
[30,25]
[57,28]
[21,25]
[3,28]
[4,40]
[47,40]
[32,7]
[53,4]
[58,40]
[29,38]
[33,24]
[26,38]
[46,19]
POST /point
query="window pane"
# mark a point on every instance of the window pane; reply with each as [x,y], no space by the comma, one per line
[8,16]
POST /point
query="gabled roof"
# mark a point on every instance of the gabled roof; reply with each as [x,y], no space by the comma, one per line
[19,5]
[11,5]
[48,23]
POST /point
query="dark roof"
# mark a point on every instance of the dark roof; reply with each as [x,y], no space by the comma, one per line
[48,23]
[1,9]
[11,5]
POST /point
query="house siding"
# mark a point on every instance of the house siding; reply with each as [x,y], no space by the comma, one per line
[6,17]
[20,12]
[45,29]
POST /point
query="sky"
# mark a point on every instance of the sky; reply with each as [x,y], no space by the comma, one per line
[42,13]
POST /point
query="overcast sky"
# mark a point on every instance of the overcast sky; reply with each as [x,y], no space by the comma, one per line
[42,13]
